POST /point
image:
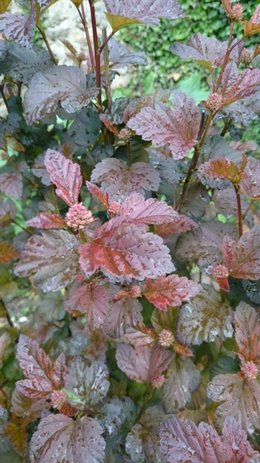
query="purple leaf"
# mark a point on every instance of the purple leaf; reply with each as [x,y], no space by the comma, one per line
[235,85]
[64,85]
[137,210]
[178,128]
[11,184]
[247,333]
[65,175]
[60,439]
[144,363]
[250,183]
[46,221]
[122,315]
[18,28]
[119,180]
[50,260]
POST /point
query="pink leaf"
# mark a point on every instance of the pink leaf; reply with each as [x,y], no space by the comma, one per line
[144,363]
[65,175]
[145,11]
[61,439]
[119,180]
[127,252]
[11,184]
[178,128]
[171,291]
[91,299]
[206,50]
[185,442]
[181,224]
[58,85]
[46,221]
[18,28]
[50,260]
[250,183]
[242,258]
[238,398]
[247,330]
[43,376]
[235,86]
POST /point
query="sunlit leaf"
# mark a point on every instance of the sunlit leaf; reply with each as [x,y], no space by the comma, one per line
[18,28]
[7,252]
[60,438]
[178,128]
[4,5]
[50,260]
[145,11]
[224,168]
[65,175]
[170,291]
[64,85]
[205,318]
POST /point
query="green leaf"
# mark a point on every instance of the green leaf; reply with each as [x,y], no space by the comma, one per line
[118,22]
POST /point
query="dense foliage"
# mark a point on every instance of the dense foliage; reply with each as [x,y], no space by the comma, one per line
[130,248]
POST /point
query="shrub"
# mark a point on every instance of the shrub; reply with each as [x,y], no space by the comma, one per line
[130,250]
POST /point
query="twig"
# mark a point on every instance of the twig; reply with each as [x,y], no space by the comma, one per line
[96,51]
[195,159]
[247,209]
[239,210]
[85,27]
[44,36]
[105,41]
[4,308]
[107,76]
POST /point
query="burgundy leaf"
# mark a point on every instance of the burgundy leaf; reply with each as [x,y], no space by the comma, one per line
[127,252]
[123,315]
[64,85]
[181,224]
[181,380]
[235,85]
[224,168]
[238,398]
[178,128]
[242,258]
[171,291]
[137,210]
[61,439]
[206,50]
[103,198]
[145,11]
[88,383]
[46,221]
[185,442]
[91,299]
[18,28]
[50,260]
[11,184]
[144,363]
[119,180]
[43,376]
[65,175]
[250,183]
[120,55]
[247,331]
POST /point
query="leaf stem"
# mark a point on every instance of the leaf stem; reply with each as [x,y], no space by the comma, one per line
[107,77]
[96,51]
[195,159]
[248,209]
[106,40]
[45,39]
[239,210]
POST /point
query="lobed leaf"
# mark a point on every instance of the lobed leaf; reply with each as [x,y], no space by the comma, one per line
[139,211]
[247,333]
[49,260]
[178,128]
[64,85]
[119,180]
[225,168]
[250,183]
[205,318]
[18,28]
[171,291]
[127,252]
[242,258]
[65,175]
[143,363]
[122,316]
[61,439]
[236,86]
[121,13]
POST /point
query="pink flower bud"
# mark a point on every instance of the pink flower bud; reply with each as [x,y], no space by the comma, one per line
[78,217]
[158,382]
[214,102]
[249,370]
[166,338]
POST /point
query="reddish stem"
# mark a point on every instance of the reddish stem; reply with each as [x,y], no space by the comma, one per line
[85,27]
[96,51]
[106,40]
[239,210]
